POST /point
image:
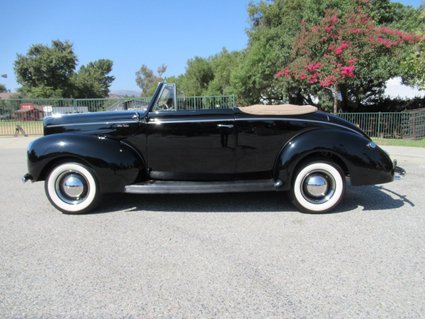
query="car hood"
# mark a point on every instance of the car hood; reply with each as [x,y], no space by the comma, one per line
[88,121]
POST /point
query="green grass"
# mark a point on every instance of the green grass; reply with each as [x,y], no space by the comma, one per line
[399,142]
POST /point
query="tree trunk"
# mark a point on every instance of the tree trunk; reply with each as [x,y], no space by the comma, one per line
[335,91]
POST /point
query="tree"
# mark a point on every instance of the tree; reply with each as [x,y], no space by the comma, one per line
[208,76]
[222,65]
[147,80]
[2,88]
[161,70]
[198,75]
[414,63]
[344,52]
[51,72]
[414,66]
[92,80]
[274,26]
[46,71]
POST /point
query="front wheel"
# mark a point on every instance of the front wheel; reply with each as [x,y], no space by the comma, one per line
[317,187]
[72,188]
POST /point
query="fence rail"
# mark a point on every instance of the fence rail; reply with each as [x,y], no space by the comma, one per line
[390,124]
[206,102]
[24,116]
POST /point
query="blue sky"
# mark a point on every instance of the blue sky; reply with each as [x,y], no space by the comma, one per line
[129,32]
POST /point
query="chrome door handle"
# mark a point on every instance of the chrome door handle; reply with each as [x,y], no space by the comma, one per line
[225,125]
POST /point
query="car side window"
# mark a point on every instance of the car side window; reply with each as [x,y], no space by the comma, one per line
[167,100]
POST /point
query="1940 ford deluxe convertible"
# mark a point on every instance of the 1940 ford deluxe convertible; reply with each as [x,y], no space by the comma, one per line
[167,148]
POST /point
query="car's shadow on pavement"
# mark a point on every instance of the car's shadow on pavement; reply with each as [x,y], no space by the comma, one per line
[373,198]
[370,198]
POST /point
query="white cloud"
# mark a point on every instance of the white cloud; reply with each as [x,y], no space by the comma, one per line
[396,89]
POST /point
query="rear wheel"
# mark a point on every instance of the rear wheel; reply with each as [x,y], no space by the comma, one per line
[72,188]
[318,186]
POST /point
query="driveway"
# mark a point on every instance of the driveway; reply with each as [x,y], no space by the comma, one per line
[213,256]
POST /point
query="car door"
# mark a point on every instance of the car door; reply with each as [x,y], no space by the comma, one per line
[260,140]
[197,145]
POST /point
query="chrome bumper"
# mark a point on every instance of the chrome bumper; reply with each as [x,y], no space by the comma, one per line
[26,178]
[398,171]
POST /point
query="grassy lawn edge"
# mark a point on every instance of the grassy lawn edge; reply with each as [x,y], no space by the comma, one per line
[400,142]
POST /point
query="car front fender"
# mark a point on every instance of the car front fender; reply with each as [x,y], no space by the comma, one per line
[360,158]
[115,163]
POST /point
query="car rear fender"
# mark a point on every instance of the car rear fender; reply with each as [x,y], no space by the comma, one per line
[351,151]
[114,163]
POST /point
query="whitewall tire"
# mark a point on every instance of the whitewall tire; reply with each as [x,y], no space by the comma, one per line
[72,188]
[318,186]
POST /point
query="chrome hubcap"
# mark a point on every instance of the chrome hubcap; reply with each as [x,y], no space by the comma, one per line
[71,187]
[318,187]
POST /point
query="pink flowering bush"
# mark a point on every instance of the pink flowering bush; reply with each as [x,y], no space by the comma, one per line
[339,47]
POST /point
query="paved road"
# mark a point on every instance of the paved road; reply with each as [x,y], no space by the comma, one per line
[213,256]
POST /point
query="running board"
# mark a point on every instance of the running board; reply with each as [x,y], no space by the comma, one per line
[183,187]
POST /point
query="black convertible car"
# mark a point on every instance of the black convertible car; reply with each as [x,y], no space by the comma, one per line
[169,148]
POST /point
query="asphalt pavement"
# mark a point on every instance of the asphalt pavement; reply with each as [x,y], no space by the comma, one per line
[213,256]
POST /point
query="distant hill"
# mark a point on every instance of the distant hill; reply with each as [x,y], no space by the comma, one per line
[121,93]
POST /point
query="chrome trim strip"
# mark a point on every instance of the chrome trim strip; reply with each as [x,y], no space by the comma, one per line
[94,123]
[156,121]
[225,125]
[315,121]
[159,122]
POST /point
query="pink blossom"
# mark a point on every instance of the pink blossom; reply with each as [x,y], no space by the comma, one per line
[279,74]
[285,72]
[313,79]
[303,76]
[314,66]
[341,48]
[325,83]
[328,81]
[334,19]
[356,30]
[348,70]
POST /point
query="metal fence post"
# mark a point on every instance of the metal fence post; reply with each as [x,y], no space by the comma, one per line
[379,124]
[414,126]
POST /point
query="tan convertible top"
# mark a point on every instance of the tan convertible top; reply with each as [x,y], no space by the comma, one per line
[282,109]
